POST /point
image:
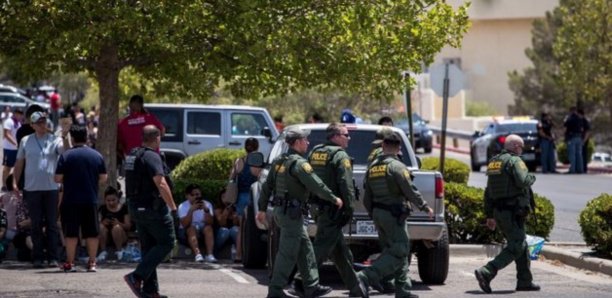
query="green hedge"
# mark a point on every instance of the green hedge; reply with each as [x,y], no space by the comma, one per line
[466,219]
[596,224]
[454,170]
[562,151]
[209,169]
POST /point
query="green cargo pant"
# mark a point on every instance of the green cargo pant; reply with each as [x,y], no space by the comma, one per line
[516,250]
[329,243]
[294,247]
[393,260]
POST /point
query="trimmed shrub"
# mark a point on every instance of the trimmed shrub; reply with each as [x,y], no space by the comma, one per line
[562,151]
[454,170]
[465,215]
[209,169]
[466,219]
[544,219]
[596,224]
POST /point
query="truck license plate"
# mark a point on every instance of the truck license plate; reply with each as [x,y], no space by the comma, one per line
[366,227]
[529,156]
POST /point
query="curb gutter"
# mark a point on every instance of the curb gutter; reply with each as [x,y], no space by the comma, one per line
[578,259]
[551,251]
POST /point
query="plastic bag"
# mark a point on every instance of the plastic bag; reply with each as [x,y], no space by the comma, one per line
[534,244]
[131,253]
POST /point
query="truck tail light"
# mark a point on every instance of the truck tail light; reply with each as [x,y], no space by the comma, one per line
[501,139]
[439,187]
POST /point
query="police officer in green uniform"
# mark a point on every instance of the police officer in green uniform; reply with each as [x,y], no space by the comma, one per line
[376,150]
[506,207]
[388,188]
[291,180]
[333,165]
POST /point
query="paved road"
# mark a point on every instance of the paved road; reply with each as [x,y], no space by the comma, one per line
[568,193]
[186,279]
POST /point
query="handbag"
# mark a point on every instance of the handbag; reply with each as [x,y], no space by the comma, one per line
[231,189]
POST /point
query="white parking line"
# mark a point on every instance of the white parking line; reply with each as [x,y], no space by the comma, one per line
[235,276]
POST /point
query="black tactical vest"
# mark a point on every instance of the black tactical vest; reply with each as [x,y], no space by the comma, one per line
[500,182]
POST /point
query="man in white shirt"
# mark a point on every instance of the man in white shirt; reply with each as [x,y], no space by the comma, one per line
[9,143]
[196,217]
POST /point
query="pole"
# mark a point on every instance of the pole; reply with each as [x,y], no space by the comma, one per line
[408,108]
[444,117]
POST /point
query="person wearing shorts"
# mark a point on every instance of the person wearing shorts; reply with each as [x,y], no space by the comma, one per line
[80,170]
[9,142]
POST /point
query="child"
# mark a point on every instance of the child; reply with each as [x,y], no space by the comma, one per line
[114,223]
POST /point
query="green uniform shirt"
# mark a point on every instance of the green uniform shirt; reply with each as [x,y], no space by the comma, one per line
[508,179]
[388,182]
[333,165]
[292,173]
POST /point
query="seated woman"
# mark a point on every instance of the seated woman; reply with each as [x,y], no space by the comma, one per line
[115,224]
[18,222]
[226,228]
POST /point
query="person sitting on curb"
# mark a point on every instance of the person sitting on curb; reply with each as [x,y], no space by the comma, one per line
[115,223]
[226,229]
[196,217]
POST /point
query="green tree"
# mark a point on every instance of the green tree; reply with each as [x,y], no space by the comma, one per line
[571,54]
[584,49]
[261,47]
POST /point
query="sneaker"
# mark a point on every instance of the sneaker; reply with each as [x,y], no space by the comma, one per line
[53,264]
[102,256]
[210,259]
[91,266]
[134,283]
[69,267]
[199,258]
[119,254]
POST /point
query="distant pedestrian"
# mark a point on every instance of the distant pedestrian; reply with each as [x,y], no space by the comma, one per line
[586,136]
[37,157]
[9,143]
[55,101]
[80,170]
[278,123]
[385,121]
[129,133]
[547,143]
[506,206]
[152,208]
[574,129]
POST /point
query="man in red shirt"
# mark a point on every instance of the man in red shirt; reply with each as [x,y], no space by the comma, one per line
[129,129]
[56,102]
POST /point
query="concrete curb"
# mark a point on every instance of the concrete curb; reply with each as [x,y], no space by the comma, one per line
[577,259]
[561,252]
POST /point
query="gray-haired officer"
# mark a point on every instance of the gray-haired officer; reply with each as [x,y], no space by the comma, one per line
[291,179]
[388,188]
[506,207]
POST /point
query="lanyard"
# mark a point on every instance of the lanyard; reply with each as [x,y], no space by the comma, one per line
[40,146]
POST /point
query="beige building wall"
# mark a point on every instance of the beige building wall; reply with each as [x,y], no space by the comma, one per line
[494,46]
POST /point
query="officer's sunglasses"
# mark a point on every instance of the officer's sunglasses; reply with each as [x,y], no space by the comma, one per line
[344,134]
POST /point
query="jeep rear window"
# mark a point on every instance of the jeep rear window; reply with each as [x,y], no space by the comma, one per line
[359,147]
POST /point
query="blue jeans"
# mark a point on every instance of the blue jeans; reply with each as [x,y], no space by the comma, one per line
[243,200]
[574,153]
[223,235]
[548,156]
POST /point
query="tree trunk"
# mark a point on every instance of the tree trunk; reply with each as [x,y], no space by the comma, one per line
[107,70]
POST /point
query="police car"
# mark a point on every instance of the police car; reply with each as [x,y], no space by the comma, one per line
[490,141]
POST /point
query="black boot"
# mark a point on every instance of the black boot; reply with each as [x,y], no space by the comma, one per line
[483,281]
[530,287]
[297,288]
[316,291]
